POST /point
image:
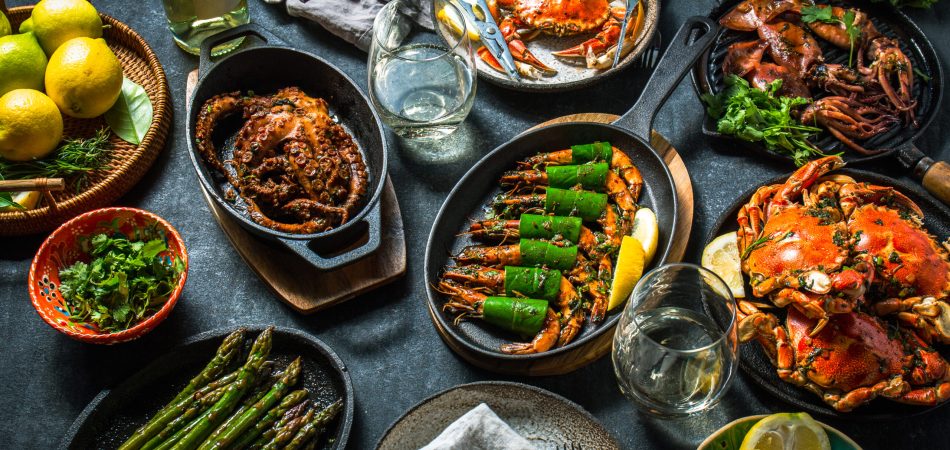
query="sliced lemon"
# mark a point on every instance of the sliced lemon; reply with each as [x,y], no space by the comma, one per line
[722,257]
[451,19]
[647,231]
[630,264]
[27,200]
[786,431]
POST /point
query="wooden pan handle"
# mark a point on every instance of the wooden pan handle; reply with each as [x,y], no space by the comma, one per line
[936,180]
[37,184]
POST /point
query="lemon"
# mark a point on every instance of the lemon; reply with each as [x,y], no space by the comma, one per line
[5,27]
[84,77]
[630,263]
[57,21]
[451,19]
[30,125]
[27,200]
[647,231]
[26,26]
[786,431]
[22,63]
[722,257]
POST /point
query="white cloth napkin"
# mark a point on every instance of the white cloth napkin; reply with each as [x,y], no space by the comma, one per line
[352,20]
[479,429]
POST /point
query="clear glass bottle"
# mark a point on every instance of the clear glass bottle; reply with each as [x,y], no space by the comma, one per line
[192,21]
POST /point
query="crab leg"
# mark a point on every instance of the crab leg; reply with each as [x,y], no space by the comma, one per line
[519,51]
[604,43]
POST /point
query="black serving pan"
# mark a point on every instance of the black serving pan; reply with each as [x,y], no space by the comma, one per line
[265,69]
[630,133]
[755,363]
[114,414]
[899,141]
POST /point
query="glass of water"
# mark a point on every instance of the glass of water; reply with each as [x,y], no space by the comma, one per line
[674,350]
[421,86]
[191,21]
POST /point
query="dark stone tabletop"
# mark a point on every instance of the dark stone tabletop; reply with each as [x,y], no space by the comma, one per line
[385,337]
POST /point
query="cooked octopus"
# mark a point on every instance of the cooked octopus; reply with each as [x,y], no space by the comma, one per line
[297,170]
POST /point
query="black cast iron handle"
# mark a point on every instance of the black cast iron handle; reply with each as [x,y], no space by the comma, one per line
[204,56]
[306,250]
[679,57]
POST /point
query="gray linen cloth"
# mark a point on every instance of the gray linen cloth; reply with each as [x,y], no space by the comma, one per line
[352,20]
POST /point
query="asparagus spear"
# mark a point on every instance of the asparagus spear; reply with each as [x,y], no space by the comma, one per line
[220,411]
[229,349]
[197,407]
[275,413]
[311,430]
[269,433]
[287,432]
[240,422]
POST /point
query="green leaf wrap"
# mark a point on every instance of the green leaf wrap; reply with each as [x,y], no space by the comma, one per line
[540,253]
[532,282]
[589,176]
[598,151]
[524,316]
[584,204]
[534,226]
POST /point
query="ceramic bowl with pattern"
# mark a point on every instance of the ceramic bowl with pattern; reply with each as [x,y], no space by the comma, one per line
[64,247]
[730,436]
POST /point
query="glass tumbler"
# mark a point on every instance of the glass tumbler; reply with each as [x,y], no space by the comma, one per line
[674,351]
[192,21]
[421,86]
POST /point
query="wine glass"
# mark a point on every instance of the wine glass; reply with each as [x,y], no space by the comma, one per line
[674,350]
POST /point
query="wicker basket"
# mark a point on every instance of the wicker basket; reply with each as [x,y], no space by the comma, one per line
[129,162]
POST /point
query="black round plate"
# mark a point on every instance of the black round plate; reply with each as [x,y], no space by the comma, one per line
[753,359]
[928,90]
[474,191]
[116,413]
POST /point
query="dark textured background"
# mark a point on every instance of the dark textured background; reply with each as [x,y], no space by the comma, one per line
[385,337]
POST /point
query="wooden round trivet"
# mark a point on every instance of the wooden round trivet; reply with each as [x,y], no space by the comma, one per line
[594,349]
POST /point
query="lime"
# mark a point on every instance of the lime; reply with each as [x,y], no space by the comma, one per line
[22,63]
[647,231]
[26,26]
[30,125]
[786,431]
[84,77]
[57,21]
[722,257]
[630,263]
[5,27]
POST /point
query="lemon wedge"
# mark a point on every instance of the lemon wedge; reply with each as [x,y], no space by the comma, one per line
[451,19]
[646,230]
[722,257]
[630,264]
[786,431]
[27,200]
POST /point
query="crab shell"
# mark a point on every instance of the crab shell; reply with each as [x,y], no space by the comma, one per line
[907,259]
[562,17]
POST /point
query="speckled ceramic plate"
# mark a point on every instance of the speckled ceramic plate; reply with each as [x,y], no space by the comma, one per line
[730,436]
[571,73]
[548,420]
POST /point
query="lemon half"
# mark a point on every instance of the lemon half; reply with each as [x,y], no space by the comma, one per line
[722,257]
[27,200]
[630,264]
[786,431]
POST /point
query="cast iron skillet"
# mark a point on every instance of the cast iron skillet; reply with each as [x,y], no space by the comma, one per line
[572,74]
[753,359]
[708,78]
[264,69]
[116,413]
[630,133]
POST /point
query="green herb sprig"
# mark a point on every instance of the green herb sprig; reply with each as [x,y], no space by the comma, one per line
[75,160]
[824,14]
[755,115]
[125,282]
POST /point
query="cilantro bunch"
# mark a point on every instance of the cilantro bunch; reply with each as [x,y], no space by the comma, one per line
[755,115]
[125,283]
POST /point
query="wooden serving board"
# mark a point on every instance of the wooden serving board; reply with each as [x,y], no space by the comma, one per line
[297,283]
[596,348]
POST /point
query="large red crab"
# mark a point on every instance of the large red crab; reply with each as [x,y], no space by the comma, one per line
[521,20]
[852,360]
